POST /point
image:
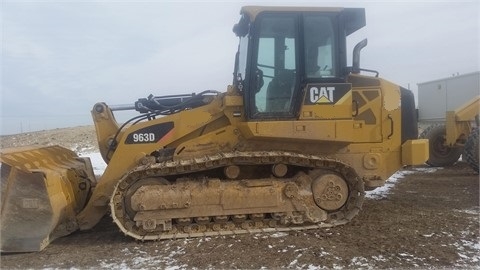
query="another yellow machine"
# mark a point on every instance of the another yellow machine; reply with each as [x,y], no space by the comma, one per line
[456,136]
[292,144]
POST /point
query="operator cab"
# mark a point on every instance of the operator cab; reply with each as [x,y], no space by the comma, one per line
[282,50]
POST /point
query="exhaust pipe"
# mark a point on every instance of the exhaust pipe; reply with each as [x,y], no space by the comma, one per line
[356,55]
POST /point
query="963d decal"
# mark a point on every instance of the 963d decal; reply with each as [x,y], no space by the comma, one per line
[151,134]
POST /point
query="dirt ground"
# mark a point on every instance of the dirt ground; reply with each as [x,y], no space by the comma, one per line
[429,218]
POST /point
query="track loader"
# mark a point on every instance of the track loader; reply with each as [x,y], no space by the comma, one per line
[292,144]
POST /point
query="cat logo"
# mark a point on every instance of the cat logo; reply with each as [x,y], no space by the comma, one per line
[326,93]
[322,95]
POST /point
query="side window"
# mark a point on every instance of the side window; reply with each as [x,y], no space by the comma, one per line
[319,47]
[276,66]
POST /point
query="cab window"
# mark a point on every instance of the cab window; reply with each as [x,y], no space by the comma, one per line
[275,67]
[319,46]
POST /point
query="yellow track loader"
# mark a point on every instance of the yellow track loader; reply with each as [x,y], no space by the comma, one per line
[292,144]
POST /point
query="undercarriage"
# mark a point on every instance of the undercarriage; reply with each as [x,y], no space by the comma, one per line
[235,193]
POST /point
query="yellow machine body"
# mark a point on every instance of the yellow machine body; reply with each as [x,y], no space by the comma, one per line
[459,122]
[279,150]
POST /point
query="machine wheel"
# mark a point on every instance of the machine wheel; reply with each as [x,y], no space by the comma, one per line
[470,153]
[440,154]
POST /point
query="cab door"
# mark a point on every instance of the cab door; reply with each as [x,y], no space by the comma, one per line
[274,91]
[326,109]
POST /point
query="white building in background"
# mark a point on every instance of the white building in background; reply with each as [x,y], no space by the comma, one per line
[437,97]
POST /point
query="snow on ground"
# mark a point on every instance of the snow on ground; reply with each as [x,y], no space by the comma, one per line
[98,164]
[136,258]
[383,191]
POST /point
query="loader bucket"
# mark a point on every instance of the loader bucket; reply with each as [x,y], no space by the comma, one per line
[42,190]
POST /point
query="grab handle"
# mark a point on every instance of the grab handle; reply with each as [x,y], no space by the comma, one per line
[391,126]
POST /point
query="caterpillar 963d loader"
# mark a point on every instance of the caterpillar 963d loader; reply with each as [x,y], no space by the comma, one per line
[292,144]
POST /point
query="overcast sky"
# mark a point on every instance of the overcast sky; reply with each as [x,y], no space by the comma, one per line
[61,57]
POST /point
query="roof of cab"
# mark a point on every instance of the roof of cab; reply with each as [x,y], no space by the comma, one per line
[253,11]
[355,17]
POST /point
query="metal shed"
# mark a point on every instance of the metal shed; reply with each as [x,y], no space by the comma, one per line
[437,97]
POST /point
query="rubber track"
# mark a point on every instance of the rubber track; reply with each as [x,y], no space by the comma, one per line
[168,168]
